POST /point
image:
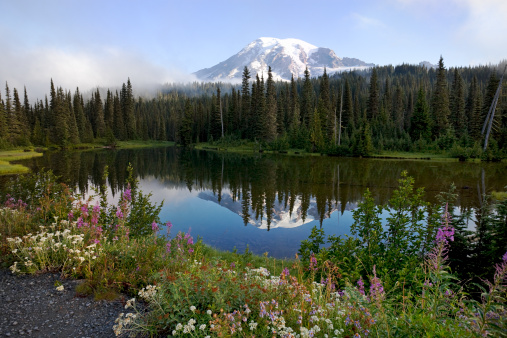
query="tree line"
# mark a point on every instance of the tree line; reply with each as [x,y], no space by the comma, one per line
[402,108]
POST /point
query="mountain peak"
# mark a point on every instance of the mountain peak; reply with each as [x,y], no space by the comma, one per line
[287,57]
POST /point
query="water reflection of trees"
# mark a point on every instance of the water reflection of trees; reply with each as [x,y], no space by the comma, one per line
[260,182]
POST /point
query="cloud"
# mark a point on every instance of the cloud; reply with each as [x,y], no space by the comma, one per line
[366,22]
[485,26]
[86,69]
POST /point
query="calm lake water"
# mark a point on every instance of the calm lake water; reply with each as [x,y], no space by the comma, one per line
[267,202]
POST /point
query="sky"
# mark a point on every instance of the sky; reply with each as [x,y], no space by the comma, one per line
[92,43]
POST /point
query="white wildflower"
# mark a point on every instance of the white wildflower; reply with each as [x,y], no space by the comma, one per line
[60,288]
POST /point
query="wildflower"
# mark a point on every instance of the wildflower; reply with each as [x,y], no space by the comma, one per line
[168,247]
[313,262]
[376,288]
[361,285]
[59,288]
[286,272]
[209,312]
[119,213]
[192,308]
[190,250]
[127,194]
[202,327]
[154,226]
[130,303]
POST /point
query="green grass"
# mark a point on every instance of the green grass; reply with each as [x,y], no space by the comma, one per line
[244,147]
[414,155]
[7,156]
[122,144]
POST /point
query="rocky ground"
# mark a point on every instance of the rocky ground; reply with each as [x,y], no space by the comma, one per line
[30,305]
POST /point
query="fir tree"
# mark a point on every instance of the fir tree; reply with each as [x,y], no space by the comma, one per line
[119,125]
[440,102]
[420,124]
[269,119]
[72,123]
[4,128]
[185,130]
[474,110]
[307,100]
[294,115]
[316,135]
[373,98]
[127,105]
[245,99]
[398,109]
[458,116]
[347,107]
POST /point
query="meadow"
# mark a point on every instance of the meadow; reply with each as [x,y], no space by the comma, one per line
[391,280]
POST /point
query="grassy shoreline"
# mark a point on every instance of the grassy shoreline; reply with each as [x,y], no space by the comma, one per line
[10,155]
[254,148]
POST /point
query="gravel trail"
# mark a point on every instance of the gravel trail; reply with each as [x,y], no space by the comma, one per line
[31,306]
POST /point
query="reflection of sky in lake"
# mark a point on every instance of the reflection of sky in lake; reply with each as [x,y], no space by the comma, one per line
[221,225]
[224,229]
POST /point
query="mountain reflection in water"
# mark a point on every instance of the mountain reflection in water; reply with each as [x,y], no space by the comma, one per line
[232,199]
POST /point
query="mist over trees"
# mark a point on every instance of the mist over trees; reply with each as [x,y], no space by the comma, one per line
[402,108]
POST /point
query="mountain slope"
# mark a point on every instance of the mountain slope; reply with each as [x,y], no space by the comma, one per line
[286,57]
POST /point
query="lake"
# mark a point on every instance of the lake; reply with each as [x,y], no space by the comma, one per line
[266,202]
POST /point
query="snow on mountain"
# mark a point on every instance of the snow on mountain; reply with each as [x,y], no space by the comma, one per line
[286,57]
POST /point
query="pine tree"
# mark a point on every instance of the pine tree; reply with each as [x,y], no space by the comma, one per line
[60,114]
[327,116]
[260,108]
[316,135]
[373,98]
[347,107]
[72,123]
[398,109]
[17,130]
[127,106]
[109,111]
[387,102]
[119,125]
[98,124]
[474,110]
[458,116]
[185,129]
[215,120]
[420,124]
[269,119]
[307,100]
[4,128]
[245,114]
[295,114]
[440,102]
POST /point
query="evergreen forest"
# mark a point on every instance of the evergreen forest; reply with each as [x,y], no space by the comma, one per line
[404,108]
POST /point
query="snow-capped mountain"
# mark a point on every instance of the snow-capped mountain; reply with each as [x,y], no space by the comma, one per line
[286,57]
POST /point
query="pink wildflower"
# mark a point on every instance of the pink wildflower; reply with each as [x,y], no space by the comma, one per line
[313,263]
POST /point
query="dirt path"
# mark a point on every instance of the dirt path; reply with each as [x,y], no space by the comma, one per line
[31,306]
